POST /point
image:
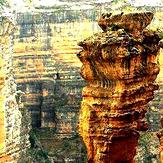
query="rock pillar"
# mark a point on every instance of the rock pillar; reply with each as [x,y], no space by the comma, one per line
[120,66]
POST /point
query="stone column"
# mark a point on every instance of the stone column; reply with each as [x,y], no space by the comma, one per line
[120,66]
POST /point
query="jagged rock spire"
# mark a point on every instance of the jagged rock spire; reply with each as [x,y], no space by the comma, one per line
[120,67]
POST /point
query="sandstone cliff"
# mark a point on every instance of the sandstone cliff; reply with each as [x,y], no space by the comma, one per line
[13,129]
[46,69]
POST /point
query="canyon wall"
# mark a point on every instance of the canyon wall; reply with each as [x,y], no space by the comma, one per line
[44,54]
[14,127]
[47,70]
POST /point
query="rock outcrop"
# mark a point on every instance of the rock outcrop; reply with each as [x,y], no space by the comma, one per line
[14,128]
[120,65]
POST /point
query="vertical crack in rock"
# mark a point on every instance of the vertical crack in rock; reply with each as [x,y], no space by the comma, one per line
[120,65]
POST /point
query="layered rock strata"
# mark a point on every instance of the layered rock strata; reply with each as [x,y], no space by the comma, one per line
[120,65]
[47,69]
[13,136]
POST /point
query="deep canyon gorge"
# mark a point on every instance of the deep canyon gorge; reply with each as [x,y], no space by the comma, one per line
[41,87]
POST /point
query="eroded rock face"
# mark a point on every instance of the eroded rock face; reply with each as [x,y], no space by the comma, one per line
[47,70]
[14,127]
[120,66]
[130,22]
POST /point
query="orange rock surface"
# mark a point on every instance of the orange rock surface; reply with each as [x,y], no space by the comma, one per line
[120,66]
[160,135]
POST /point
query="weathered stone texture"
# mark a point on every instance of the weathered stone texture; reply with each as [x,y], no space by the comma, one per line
[120,66]
[45,63]
[13,138]
[47,69]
